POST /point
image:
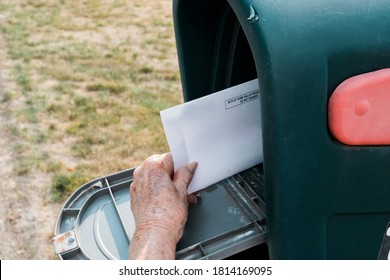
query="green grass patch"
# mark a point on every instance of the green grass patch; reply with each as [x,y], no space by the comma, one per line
[109,86]
[64,184]
[23,78]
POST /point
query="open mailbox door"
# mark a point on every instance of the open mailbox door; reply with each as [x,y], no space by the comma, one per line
[96,221]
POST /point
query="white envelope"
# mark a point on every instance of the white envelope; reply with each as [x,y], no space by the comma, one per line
[221,131]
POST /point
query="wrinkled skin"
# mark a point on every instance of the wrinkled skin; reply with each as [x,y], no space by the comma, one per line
[159,202]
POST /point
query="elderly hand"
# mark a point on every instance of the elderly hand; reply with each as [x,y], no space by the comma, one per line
[159,203]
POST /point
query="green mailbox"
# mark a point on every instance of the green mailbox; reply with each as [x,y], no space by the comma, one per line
[324,199]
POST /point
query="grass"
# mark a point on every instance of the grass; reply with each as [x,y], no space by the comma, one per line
[88,80]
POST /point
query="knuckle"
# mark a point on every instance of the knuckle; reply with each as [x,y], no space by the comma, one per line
[137,173]
[154,162]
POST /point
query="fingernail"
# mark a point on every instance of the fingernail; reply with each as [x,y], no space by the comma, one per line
[192,166]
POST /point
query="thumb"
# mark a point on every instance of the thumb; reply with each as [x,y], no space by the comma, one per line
[183,176]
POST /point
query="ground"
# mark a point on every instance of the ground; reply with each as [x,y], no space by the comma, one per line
[81,86]
[27,218]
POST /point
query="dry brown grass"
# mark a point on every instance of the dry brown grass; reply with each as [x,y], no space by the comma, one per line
[90,79]
[83,82]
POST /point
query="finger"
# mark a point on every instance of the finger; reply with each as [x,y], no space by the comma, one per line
[158,165]
[183,176]
[167,162]
[192,199]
